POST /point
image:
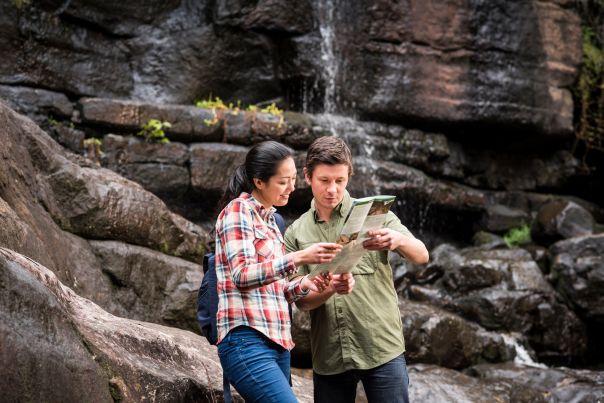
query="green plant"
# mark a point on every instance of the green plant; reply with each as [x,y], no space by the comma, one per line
[153,131]
[218,108]
[589,91]
[92,147]
[21,3]
[518,236]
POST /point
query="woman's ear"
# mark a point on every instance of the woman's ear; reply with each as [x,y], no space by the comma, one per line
[258,184]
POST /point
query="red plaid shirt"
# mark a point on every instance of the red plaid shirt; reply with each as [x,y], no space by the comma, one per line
[252,272]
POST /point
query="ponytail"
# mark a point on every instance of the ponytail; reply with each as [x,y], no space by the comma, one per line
[261,162]
[238,183]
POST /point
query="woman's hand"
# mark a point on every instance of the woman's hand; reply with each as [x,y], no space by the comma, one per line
[321,252]
[318,283]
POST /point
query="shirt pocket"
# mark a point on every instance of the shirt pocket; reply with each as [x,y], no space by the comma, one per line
[366,265]
[263,243]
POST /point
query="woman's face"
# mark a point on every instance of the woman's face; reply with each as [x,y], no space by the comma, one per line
[276,191]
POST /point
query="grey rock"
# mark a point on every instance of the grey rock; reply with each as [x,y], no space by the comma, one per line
[502,290]
[500,218]
[561,219]
[213,164]
[188,122]
[577,267]
[434,336]
[64,347]
[38,104]
[151,286]
[554,384]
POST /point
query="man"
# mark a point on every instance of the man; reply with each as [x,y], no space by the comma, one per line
[355,335]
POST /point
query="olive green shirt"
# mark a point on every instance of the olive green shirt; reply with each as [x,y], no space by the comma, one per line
[360,330]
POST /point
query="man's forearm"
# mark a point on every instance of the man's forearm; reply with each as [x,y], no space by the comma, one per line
[414,250]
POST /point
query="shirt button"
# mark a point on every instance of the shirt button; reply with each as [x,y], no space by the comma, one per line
[339,310]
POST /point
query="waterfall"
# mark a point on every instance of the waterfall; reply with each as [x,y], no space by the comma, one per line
[329,63]
[522,355]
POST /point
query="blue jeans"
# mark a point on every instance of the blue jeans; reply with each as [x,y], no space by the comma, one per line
[384,384]
[256,366]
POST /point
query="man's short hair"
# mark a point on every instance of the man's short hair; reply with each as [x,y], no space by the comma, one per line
[328,150]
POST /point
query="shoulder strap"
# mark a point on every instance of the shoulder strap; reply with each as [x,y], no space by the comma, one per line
[280,222]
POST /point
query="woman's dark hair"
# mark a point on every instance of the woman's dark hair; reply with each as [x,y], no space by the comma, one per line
[261,162]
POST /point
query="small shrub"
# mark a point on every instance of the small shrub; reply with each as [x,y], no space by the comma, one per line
[218,108]
[92,147]
[153,131]
[518,236]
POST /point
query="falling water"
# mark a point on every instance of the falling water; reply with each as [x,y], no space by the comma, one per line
[522,355]
[329,64]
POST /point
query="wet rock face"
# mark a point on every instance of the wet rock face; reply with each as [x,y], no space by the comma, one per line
[558,384]
[578,273]
[435,336]
[460,62]
[40,184]
[560,220]
[65,348]
[502,290]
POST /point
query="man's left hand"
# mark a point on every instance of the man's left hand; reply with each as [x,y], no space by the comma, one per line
[384,239]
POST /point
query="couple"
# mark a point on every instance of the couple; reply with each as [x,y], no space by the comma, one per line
[355,335]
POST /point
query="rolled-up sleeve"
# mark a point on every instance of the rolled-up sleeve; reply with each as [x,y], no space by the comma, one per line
[238,239]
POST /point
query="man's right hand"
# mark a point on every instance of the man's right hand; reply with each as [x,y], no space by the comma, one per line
[342,283]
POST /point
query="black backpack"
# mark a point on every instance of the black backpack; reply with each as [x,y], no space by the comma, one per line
[207,297]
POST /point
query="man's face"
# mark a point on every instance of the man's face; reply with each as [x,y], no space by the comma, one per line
[328,183]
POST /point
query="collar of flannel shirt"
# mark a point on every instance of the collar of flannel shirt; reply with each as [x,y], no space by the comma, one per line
[263,212]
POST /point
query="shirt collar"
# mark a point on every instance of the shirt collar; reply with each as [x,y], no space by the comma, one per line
[342,208]
[264,213]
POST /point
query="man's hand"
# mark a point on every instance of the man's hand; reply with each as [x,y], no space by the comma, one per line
[384,239]
[387,239]
[342,283]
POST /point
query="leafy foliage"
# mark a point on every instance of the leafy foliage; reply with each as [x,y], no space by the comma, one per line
[518,236]
[22,3]
[589,92]
[153,131]
[219,108]
[92,148]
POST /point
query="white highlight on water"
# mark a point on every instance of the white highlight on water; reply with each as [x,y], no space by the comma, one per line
[328,59]
[522,355]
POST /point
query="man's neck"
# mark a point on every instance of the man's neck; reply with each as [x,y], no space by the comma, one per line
[324,214]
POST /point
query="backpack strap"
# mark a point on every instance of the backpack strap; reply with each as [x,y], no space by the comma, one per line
[226,389]
[280,222]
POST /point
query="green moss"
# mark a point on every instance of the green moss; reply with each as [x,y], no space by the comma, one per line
[164,247]
[518,236]
[153,131]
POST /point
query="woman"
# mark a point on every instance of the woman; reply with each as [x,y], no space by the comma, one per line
[252,270]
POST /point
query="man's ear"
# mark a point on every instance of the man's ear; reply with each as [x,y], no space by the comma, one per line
[306,176]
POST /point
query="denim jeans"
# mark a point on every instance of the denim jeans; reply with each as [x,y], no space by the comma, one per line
[257,367]
[384,384]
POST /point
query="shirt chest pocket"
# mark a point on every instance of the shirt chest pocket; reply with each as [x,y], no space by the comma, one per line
[264,244]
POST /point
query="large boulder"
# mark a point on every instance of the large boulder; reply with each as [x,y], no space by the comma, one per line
[561,219]
[434,336]
[30,172]
[502,290]
[65,348]
[577,267]
[553,384]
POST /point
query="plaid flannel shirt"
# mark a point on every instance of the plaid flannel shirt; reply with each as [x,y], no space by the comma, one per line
[252,272]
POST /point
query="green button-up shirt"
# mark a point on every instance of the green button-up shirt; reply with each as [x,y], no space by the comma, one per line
[361,330]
